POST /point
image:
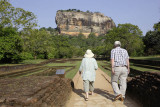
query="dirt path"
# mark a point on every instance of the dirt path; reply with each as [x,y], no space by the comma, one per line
[103,94]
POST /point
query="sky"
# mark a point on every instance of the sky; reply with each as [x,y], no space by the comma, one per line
[143,13]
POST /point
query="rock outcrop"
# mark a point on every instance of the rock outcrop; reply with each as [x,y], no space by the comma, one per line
[73,23]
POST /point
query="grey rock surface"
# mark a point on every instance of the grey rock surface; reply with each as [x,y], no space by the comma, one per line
[72,23]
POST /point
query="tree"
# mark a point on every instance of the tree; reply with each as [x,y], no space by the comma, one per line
[157,27]
[151,40]
[99,51]
[63,48]
[130,37]
[92,40]
[52,31]
[15,17]
[80,44]
[38,42]
[88,11]
[10,45]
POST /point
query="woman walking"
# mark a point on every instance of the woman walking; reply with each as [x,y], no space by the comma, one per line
[87,69]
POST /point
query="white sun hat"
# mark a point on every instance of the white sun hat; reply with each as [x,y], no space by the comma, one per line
[117,43]
[88,54]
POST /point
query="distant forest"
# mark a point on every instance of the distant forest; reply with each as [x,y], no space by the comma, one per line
[76,10]
[21,40]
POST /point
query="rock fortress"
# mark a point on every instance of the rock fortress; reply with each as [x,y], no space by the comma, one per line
[75,22]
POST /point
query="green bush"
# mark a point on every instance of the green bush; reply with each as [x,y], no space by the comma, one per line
[26,55]
[41,56]
[51,55]
[10,45]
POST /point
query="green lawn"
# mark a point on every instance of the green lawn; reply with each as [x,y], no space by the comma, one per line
[71,73]
[154,58]
[9,64]
[107,65]
[143,68]
[104,63]
[30,73]
[68,63]
[33,61]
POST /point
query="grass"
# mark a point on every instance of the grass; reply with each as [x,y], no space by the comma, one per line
[102,63]
[73,72]
[143,69]
[9,64]
[34,61]
[30,73]
[153,58]
[106,64]
[68,68]
[68,63]
[42,70]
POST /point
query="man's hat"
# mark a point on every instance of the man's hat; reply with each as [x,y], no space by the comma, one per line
[117,43]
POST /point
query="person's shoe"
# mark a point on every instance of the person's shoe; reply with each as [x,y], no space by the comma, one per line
[91,93]
[118,97]
[86,99]
[122,99]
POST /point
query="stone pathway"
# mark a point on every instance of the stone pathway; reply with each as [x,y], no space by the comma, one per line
[103,94]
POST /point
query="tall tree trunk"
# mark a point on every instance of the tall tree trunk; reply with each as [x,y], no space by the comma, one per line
[35,57]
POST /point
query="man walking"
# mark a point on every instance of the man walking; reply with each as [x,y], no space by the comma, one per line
[120,70]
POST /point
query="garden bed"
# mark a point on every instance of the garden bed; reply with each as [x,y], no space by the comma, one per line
[34,91]
[145,87]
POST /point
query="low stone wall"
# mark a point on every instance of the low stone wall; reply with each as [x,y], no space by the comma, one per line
[34,91]
[145,88]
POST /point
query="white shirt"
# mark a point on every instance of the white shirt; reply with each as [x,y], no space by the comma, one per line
[120,56]
[88,66]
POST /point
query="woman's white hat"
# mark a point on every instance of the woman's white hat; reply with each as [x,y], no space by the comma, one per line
[88,54]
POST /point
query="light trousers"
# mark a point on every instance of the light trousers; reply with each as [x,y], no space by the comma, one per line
[88,85]
[121,74]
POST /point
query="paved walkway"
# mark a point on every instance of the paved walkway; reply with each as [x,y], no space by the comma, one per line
[103,94]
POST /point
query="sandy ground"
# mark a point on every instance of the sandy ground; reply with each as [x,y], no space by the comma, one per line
[102,97]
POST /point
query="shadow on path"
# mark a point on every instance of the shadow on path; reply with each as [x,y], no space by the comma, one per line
[79,92]
[101,92]
[106,78]
[104,93]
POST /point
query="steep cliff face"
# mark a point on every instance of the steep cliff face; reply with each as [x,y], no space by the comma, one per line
[72,23]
